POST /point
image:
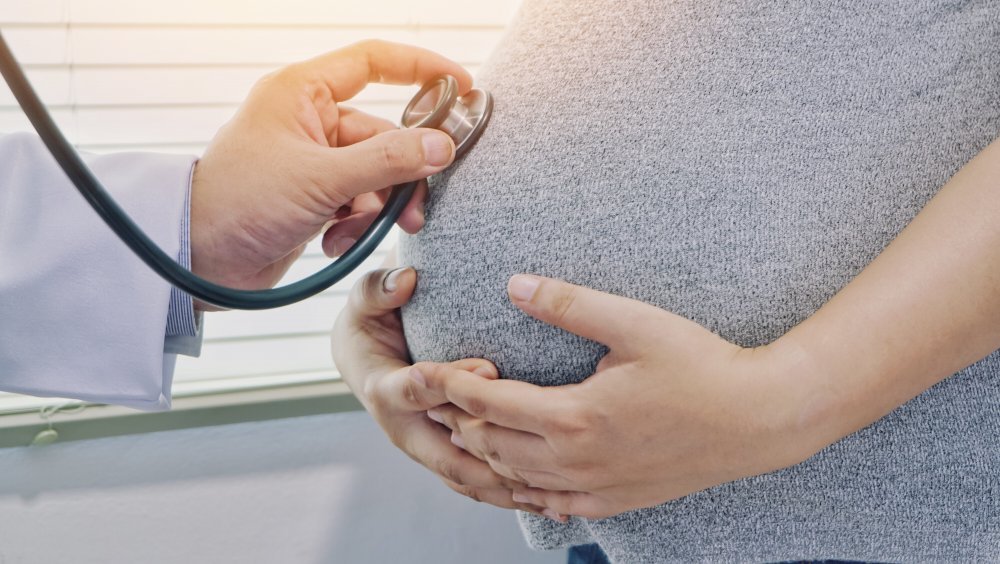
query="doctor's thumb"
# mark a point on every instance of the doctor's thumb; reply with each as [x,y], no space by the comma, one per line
[390,158]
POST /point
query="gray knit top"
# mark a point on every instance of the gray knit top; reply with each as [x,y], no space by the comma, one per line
[736,162]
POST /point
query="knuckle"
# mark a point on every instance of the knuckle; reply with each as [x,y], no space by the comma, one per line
[396,156]
[368,290]
[489,450]
[467,491]
[279,76]
[368,45]
[562,303]
[398,438]
[429,371]
[379,402]
[569,420]
[510,483]
[290,75]
[410,394]
[516,475]
[371,286]
[473,494]
[476,407]
[535,479]
[449,470]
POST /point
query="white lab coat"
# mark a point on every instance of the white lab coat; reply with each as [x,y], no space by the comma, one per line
[80,315]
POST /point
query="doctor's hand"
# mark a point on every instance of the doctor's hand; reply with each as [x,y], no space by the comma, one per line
[672,409]
[370,352]
[293,160]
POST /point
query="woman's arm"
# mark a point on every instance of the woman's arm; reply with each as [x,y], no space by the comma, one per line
[926,308]
[673,409]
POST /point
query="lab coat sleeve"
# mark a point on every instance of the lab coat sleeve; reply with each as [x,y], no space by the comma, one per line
[81,316]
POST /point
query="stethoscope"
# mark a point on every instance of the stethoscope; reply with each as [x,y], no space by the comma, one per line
[437,105]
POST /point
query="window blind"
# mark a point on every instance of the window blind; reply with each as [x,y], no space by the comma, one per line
[163,76]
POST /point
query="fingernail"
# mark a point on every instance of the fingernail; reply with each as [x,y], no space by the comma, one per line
[417,376]
[342,244]
[391,281]
[484,371]
[435,416]
[438,148]
[457,441]
[553,515]
[522,287]
[520,498]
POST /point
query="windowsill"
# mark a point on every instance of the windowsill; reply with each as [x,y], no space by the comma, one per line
[201,410]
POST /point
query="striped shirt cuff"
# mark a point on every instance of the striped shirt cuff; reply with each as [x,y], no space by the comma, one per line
[181,319]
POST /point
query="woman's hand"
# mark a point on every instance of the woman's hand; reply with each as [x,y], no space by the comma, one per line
[672,409]
[292,161]
[371,354]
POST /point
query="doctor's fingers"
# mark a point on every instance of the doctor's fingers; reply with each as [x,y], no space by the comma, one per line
[354,126]
[347,71]
[387,159]
[363,210]
[351,221]
[428,444]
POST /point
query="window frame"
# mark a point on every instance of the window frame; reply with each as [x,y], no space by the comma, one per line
[238,403]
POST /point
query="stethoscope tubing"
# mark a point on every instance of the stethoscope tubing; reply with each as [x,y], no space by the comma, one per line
[166,267]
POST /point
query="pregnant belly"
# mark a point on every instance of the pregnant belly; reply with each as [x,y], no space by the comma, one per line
[659,180]
[714,245]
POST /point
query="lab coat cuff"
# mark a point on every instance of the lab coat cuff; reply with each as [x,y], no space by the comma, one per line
[187,345]
[181,318]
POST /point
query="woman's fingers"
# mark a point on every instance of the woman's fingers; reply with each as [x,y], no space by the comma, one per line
[512,448]
[401,391]
[514,454]
[598,316]
[382,291]
[502,498]
[510,403]
[429,444]
[579,504]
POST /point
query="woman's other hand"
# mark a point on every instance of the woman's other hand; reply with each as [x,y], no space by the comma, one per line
[671,410]
[371,354]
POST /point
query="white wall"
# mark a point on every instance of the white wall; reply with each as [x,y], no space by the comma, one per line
[309,490]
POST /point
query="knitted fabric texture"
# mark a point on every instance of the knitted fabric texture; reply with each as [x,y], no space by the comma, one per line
[736,162]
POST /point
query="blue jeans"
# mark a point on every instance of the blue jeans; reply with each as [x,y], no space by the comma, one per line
[587,554]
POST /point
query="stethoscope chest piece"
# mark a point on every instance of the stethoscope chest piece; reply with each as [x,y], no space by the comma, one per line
[437,105]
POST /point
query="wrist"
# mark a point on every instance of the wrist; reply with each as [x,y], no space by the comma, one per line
[779,409]
[814,410]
